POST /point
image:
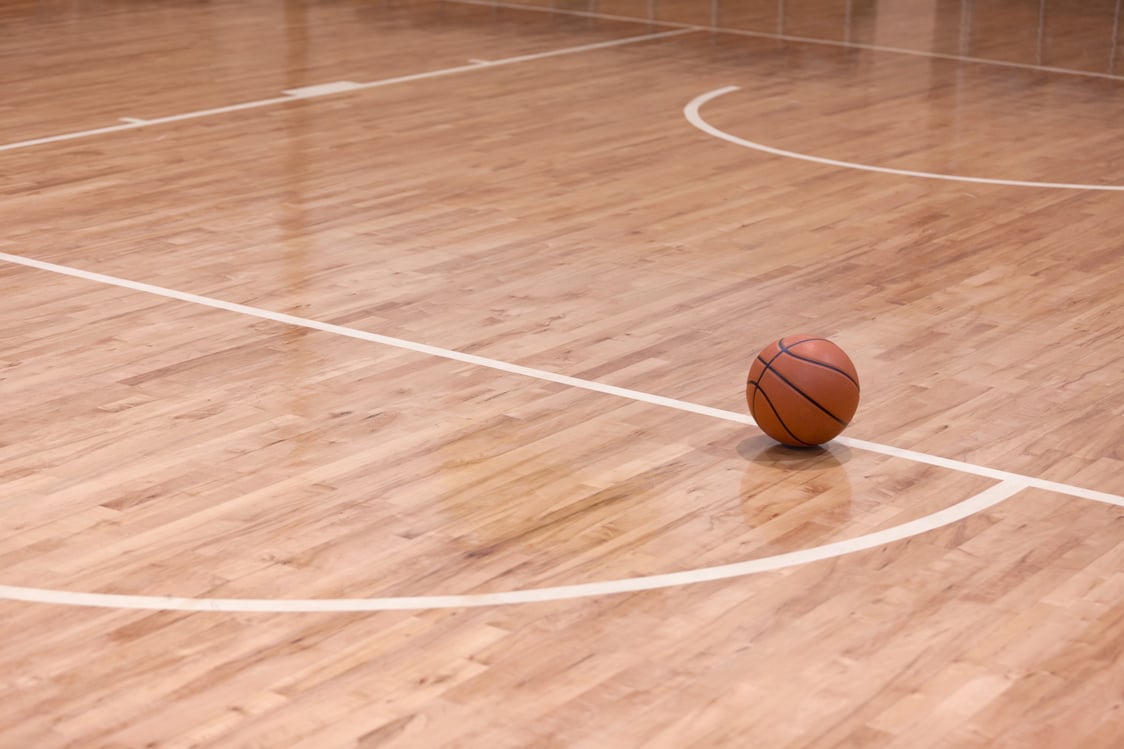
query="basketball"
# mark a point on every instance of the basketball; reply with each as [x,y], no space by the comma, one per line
[802,390]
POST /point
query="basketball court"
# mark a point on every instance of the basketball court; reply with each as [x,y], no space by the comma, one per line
[374,373]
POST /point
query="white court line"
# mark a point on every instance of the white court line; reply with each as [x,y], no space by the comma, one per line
[540,374]
[145,123]
[322,89]
[1009,485]
[72,136]
[328,89]
[479,64]
[363,335]
[794,39]
[691,112]
[971,506]
[977,470]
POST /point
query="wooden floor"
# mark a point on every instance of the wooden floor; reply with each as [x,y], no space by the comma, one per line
[406,408]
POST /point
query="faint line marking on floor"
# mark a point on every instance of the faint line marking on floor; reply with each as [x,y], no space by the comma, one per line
[337,87]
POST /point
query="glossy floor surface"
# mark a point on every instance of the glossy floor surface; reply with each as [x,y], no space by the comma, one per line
[373,374]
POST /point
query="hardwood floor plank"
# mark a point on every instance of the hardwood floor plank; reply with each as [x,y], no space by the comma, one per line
[553,248]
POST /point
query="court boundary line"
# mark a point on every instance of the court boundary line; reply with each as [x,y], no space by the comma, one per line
[793,39]
[546,375]
[691,112]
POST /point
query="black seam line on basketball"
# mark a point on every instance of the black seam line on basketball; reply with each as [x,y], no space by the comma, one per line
[780,350]
[758,389]
[765,364]
[807,397]
[769,368]
[821,364]
[788,349]
[783,348]
[779,419]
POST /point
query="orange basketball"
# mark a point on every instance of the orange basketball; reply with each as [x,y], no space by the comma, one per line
[802,390]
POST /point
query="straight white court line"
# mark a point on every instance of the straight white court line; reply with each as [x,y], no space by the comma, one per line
[540,374]
[971,506]
[134,123]
[691,112]
[323,89]
[336,87]
[795,39]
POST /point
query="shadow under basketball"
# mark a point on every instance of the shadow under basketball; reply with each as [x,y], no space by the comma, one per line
[803,494]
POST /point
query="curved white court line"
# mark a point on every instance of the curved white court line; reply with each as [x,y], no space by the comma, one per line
[691,112]
[1009,484]
[975,504]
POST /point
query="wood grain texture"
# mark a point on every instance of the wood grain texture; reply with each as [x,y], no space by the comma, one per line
[557,213]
